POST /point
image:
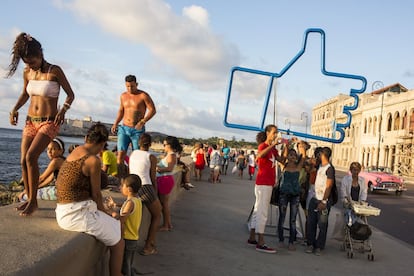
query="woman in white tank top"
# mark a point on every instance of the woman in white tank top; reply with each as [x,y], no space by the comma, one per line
[144,164]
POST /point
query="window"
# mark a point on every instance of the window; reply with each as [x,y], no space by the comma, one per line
[365,125]
[397,121]
[404,120]
[389,125]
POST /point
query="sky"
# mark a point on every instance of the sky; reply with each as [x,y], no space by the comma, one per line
[183,51]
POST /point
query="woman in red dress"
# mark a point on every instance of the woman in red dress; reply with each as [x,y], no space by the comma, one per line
[200,160]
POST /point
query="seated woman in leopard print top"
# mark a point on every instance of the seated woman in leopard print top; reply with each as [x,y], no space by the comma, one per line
[79,200]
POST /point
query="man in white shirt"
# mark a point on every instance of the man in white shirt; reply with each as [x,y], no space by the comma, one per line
[319,205]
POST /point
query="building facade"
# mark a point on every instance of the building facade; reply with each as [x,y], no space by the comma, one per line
[381,131]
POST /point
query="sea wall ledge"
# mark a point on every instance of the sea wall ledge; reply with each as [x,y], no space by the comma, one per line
[36,245]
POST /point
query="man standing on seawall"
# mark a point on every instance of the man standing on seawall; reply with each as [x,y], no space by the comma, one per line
[319,205]
[135,110]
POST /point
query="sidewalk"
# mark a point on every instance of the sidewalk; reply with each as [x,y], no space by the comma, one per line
[210,234]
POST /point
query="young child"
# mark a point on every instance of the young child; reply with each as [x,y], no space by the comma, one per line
[130,216]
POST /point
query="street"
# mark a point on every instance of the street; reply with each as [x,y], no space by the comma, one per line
[396,218]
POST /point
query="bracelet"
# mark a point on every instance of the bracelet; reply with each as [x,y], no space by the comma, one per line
[12,113]
[66,105]
[142,121]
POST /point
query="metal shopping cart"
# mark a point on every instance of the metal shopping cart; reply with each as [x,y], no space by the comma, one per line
[357,230]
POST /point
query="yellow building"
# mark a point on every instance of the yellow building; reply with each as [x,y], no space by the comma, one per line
[370,140]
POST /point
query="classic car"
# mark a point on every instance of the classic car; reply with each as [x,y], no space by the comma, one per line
[381,178]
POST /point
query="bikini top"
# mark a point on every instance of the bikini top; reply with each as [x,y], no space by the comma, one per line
[44,88]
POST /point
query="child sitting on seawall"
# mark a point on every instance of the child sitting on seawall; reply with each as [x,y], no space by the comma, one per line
[46,189]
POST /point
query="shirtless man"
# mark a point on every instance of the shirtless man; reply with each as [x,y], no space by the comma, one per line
[135,110]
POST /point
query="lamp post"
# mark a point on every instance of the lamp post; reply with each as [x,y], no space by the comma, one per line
[305,115]
[379,85]
[287,122]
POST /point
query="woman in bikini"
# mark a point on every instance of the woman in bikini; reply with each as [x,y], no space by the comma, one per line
[41,84]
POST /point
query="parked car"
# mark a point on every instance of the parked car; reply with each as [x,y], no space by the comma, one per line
[381,178]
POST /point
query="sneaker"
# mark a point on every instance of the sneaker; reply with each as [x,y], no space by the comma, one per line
[263,248]
[254,242]
[317,251]
[190,185]
[309,249]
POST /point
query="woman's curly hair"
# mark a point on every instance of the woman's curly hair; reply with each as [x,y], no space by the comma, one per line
[25,46]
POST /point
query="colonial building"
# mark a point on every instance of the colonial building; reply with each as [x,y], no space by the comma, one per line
[381,131]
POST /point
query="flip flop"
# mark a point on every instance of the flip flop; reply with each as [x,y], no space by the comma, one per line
[152,251]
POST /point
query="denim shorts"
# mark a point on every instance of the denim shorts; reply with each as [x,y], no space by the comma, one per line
[128,135]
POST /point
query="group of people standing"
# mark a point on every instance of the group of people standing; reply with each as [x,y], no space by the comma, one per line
[317,198]
[78,177]
[297,179]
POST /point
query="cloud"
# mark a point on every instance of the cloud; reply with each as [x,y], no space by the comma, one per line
[184,43]
[408,74]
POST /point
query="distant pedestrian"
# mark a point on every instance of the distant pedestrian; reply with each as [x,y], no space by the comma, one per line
[252,164]
[41,84]
[200,160]
[241,163]
[225,150]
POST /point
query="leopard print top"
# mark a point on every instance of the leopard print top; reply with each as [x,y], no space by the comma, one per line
[72,185]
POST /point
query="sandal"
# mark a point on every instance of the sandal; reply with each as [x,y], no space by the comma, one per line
[152,251]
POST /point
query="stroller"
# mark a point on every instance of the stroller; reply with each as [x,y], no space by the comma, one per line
[357,230]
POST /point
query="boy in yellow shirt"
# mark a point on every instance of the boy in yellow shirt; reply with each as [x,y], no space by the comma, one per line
[130,216]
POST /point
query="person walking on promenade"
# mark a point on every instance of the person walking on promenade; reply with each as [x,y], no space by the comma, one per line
[215,157]
[135,110]
[41,84]
[241,163]
[289,194]
[225,150]
[267,158]
[252,164]
[144,164]
[165,178]
[319,205]
[200,160]
[79,200]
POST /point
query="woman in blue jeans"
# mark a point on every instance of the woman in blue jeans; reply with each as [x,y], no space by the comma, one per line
[289,194]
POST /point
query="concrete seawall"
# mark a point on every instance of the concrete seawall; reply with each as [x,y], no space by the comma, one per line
[37,246]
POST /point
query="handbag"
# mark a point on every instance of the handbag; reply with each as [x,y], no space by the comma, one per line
[274,199]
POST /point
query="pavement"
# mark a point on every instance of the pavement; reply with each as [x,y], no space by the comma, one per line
[210,233]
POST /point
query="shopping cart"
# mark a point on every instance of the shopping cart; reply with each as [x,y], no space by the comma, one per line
[357,230]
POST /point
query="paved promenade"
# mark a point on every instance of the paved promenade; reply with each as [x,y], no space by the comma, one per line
[210,234]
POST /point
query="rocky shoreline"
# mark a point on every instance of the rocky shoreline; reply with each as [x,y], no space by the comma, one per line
[9,193]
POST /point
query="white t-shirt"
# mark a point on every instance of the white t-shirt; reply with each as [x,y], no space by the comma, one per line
[320,182]
[140,164]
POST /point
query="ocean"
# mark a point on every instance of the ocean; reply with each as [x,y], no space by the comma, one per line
[10,140]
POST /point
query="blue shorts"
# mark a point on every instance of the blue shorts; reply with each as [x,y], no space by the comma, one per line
[128,135]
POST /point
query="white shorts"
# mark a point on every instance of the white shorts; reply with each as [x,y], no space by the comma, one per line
[84,217]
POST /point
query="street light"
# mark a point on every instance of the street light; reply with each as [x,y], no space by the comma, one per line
[379,85]
[287,122]
[305,115]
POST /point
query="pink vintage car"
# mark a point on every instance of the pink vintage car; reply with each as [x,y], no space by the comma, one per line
[381,178]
